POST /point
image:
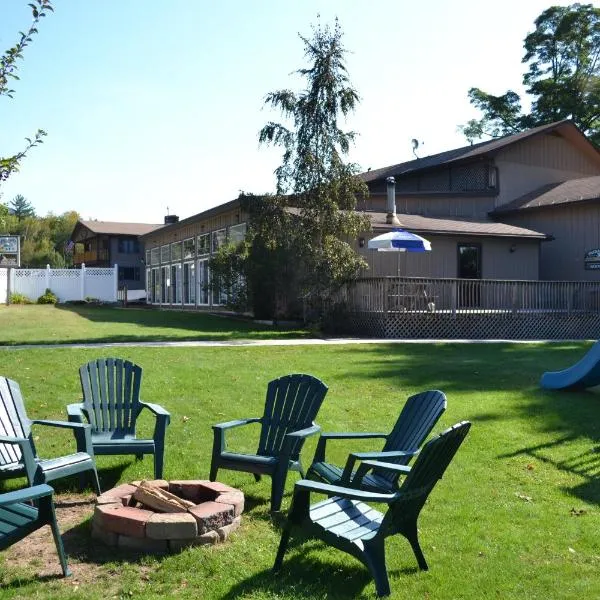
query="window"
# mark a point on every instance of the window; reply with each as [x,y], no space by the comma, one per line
[128,246]
[218,238]
[155,256]
[165,284]
[149,289]
[189,283]
[129,273]
[203,281]
[204,244]
[237,233]
[188,249]
[175,251]
[164,254]
[148,257]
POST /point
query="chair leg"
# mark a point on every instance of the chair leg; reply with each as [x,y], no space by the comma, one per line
[257,477]
[158,464]
[59,545]
[96,482]
[374,559]
[283,544]
[214,470]
[277,489]
[413,537]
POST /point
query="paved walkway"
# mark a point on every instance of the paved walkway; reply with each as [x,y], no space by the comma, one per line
[283,342]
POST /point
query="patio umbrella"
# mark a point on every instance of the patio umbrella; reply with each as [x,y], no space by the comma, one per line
[399,240]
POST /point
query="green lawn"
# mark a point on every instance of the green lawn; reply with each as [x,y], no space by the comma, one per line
[44,324]
[516,515]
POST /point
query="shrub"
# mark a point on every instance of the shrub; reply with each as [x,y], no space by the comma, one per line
[48,297]
[18,298]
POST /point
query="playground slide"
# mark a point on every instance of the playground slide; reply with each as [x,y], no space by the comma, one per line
[583,374]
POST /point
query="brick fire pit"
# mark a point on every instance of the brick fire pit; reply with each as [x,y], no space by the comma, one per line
[209,512]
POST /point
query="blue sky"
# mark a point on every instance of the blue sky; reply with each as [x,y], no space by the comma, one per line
[150,104]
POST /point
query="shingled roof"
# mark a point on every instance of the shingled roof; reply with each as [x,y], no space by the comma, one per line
[114,228]
[585,189]
[421,224]
[462,154]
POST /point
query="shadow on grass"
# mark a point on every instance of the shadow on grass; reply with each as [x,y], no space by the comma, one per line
[20,582]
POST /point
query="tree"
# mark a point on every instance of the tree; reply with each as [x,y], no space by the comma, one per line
[562,80]
[20,207]
[8,71]
[297,243]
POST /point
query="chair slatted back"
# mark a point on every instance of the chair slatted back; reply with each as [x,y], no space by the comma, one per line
[292,404]
[418,417]
[429,467]
[13,421]
[111,394]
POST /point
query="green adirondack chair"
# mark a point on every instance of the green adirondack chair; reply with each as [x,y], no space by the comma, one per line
[347,523]
[18,519]
[18,455]
[111,404]
[291,406]
[418,417]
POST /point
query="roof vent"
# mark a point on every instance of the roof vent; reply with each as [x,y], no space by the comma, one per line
[170,219]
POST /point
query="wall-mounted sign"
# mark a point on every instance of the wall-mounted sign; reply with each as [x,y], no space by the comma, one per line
[10,255]
[591,261]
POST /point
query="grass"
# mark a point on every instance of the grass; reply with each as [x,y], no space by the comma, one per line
[63,324]
[516,515]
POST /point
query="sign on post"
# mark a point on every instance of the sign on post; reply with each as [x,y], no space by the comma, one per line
[10,251]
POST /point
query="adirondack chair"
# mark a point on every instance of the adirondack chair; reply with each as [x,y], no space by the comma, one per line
[347,523]
[418,417]
[18,519]
[18,455]
[291,405]
[111,404]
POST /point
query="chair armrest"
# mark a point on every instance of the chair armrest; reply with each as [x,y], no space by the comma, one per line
[7,439]
[238,423]
[365,456]
[157,409]
[304,433]
[31,493]
[75,412]
[26,448]
[321,445]
[61,424]
[387,466]
[81,431]
[295,437]
[344,492]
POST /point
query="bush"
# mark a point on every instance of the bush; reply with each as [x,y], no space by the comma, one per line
[48,297]
[18,298]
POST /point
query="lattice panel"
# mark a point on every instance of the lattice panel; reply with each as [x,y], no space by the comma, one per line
[99,272]
[545,326]
[30,273]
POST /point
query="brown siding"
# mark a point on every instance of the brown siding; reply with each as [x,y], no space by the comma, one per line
[497,260]
[533,163]
[471,207]
[576,230]
[194,227]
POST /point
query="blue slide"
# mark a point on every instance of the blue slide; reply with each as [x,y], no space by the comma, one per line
[583,374]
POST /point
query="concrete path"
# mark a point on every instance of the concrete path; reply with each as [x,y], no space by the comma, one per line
[283,342]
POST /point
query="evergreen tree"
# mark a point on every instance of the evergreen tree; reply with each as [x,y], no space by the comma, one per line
[20,207]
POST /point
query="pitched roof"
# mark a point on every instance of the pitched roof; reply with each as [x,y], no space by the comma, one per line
[421,224]
[111,227]
[461,154]
[555,194]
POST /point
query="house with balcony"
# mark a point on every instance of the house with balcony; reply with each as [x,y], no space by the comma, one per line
[106,243]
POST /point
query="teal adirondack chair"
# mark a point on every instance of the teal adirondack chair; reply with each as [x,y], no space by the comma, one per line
[18,455]
[418,417]
[111,404]
[18,518]
[291,406]
[347,523]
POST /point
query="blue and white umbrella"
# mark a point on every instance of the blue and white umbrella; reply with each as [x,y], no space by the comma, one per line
[399,240]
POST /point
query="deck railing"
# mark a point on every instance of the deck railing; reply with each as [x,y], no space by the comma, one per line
[421,307]
[422,294]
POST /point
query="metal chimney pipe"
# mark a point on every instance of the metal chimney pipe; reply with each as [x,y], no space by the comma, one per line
[391,218]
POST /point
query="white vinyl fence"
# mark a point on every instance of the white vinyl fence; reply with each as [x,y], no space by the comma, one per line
[67,284]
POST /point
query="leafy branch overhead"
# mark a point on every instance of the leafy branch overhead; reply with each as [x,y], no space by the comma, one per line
[8,71]
[562,80]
